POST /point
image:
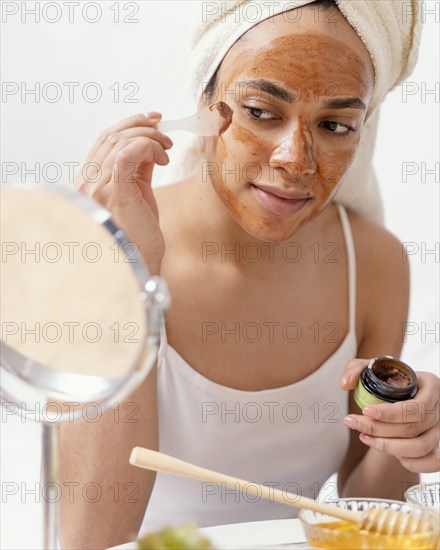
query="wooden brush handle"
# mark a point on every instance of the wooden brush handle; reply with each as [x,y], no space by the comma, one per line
[159,462]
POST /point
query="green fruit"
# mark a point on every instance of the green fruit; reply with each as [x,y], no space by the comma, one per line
[184,537]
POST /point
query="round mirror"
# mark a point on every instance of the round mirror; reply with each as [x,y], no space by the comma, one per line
[80,316]
[73,299]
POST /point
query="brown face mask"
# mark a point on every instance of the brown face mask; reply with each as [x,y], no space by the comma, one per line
[296,140]
[225,112]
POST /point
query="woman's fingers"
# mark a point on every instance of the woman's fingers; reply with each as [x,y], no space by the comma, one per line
[352,372]
[426,464]
[118,174]
[104,144]
[424,408]
[408,430]
[125,163]
[414,448]
[149,132]
[139,119]
[384,429]
[130,161]
[406,419]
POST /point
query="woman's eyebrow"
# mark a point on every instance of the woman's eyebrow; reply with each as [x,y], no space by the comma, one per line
[282,93]
[270,88]
[344,103]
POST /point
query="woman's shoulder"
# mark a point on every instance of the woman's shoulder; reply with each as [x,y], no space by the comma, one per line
[165,194]
[170,201]
[382,280]
[375,244]
[174,213]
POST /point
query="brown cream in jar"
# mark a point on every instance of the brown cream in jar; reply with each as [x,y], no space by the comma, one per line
[392,376]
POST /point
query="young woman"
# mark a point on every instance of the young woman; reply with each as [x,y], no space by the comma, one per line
[279,297]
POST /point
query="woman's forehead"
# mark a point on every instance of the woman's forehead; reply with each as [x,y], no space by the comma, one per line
[303,21]
[317,49]
[316,63]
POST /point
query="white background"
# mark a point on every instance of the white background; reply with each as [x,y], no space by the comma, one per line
[151,54]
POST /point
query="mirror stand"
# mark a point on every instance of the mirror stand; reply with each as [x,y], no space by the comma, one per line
[50,481]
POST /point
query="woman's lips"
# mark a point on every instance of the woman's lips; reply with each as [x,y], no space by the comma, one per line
[278,205]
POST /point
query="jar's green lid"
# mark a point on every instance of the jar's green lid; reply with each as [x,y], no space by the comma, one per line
[364,398]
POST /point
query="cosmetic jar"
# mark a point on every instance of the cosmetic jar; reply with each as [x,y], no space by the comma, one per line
[385,380]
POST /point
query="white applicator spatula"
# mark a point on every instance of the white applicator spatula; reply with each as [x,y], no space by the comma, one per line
[210,121]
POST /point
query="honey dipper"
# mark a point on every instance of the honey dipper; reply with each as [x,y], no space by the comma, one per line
[380,520]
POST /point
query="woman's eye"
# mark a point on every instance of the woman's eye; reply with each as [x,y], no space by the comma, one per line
[259,114]
[337,127]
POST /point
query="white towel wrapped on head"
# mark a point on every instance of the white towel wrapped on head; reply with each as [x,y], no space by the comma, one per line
[390,30]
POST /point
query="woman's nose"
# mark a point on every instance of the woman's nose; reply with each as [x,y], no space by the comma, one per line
[295,152]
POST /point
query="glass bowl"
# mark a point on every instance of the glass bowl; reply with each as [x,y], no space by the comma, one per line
[427,494]
[324,531]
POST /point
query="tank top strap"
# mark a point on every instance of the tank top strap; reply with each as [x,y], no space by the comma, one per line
[163,342]
[351,260]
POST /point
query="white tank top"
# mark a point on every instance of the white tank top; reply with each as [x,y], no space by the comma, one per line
[291,438]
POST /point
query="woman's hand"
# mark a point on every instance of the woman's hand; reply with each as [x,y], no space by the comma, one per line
[409,430]
[118,173]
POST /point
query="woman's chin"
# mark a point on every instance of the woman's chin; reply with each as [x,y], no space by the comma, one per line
[270,231]
[275,229]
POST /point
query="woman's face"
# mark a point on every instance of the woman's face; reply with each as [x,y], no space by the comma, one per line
[299,93]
